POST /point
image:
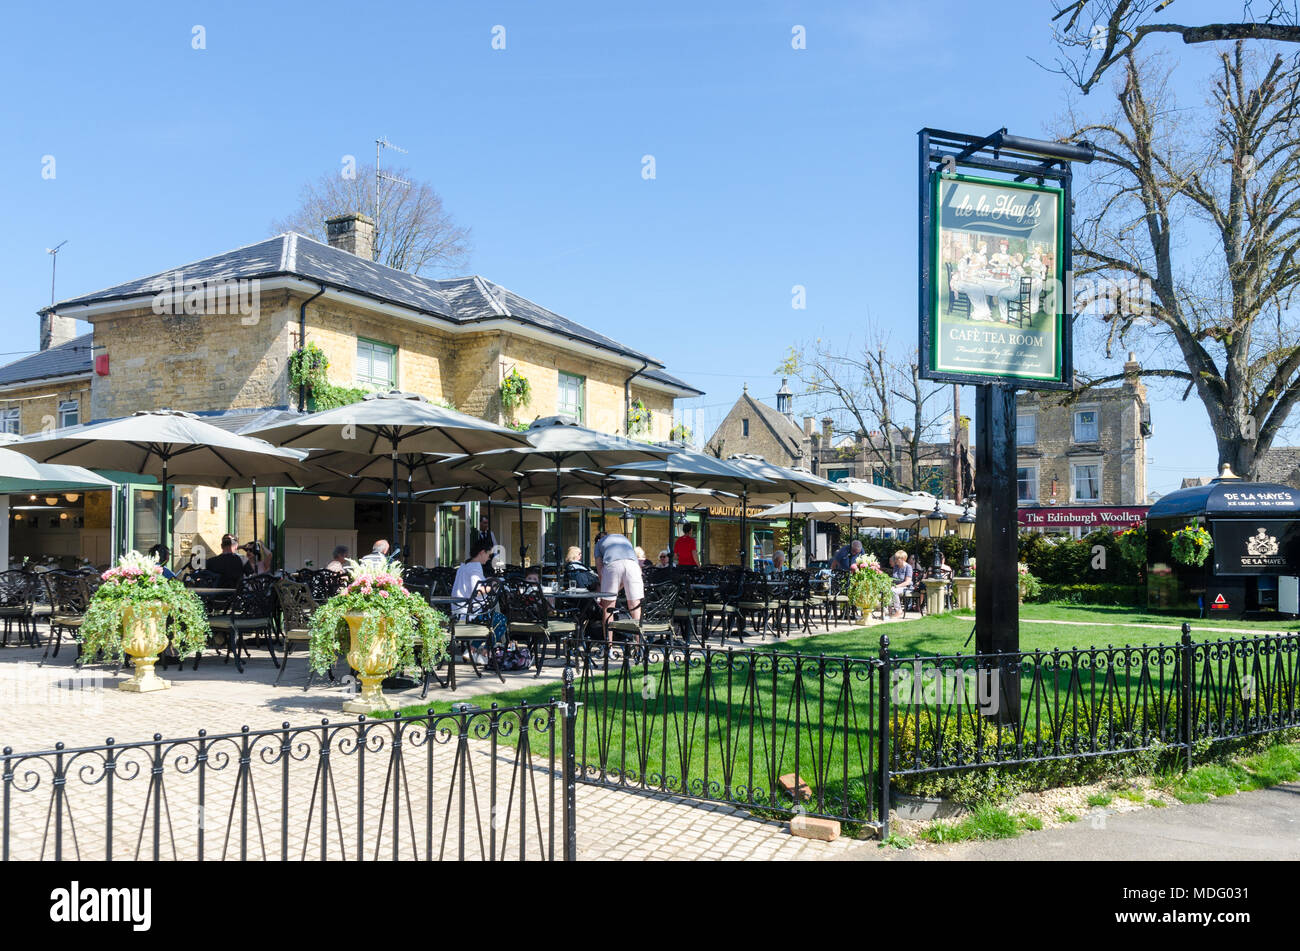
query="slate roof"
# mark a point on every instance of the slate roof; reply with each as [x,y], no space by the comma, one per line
[66,359]
[462,301]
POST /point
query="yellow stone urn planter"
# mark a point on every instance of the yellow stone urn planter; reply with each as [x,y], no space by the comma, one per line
[144,637]
[372,665]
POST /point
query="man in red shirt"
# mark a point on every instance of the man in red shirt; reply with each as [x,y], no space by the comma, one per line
[684,547]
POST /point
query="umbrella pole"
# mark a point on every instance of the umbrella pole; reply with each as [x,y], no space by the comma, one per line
[744,543]
[257,551]
[557,526]
[789,535]
[519,496]
[672,493]
[166,509]
[392,492]
[410,513]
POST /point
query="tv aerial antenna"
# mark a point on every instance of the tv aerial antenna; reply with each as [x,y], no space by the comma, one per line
[380,144]
[54,265]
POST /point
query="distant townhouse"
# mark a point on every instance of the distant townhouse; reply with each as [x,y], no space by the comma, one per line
[1082,463]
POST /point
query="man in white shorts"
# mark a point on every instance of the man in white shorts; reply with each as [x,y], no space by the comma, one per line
[617,564]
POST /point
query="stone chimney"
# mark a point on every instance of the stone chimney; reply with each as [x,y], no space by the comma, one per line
[353,233]
[56,329]
[826,429]
[807,425]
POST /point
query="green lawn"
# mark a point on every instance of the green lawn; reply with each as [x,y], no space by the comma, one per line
[728,730]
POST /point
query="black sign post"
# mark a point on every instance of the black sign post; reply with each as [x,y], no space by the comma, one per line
[996,312]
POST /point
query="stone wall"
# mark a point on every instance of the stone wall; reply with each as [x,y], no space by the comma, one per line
[193,362]
[39,404]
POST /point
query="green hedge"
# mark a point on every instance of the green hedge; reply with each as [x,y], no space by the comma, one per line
[1121,594]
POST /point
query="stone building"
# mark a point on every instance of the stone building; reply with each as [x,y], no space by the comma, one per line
[1090,451]
[754,427]
[215,337]
[868,457]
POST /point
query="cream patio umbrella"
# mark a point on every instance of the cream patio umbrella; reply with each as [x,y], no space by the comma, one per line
[557,444]
[165,444]
[391,424]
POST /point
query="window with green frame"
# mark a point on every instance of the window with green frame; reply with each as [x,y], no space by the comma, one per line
[376,364]
[572,397]
[882,477]
[932,480]
[836,475]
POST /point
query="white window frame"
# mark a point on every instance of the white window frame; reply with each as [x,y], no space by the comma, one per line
[1074,484]
[562,407]
[1033,499]
[1074,424]
[66,407]
[11,420]
[1033,420]
[368,379]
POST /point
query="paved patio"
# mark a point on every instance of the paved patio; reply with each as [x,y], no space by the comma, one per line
[57,703]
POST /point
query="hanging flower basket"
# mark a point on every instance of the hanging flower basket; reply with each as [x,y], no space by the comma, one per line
[515,391]
[1133,543]
[1191,545]
[128,614]
[385,624]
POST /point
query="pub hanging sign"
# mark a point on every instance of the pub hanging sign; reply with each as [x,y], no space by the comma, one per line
[997,281]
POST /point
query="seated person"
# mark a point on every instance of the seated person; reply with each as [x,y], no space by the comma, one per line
[160,554]
[664,560]
[259,557]
[339,560]
[228,565]
[778,562]
[468,577]
[902,575]
[379,552]
[578,574]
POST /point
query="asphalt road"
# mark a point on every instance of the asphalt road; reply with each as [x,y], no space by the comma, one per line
[1259,825]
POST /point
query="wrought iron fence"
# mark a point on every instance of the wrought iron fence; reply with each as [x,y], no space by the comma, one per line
[480,784]
[771,731]
[738,726]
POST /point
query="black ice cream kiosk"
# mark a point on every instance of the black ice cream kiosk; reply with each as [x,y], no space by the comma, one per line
[1254,564]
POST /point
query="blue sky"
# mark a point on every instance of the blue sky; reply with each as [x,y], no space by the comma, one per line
[774,166]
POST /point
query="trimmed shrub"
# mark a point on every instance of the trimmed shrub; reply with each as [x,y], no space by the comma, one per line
[1105,594]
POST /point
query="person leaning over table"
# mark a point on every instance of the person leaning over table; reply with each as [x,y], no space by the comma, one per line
[618,567]
[844,558]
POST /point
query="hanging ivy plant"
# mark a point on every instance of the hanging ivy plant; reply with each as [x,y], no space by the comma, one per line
[639,417]
[516,391]
[309,369]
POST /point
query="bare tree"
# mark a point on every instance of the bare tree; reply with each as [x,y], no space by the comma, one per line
[1094,35]
[879,400]
[413,231]
[1170,183]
